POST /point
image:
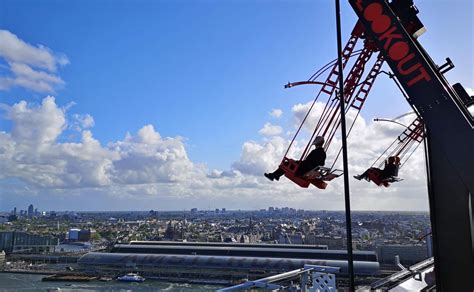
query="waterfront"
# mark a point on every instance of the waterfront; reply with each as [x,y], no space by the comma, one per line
[32,282]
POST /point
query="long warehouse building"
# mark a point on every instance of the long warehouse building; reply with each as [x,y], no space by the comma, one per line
[221,260]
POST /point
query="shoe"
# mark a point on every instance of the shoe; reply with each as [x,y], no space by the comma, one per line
[359,177]
[277,178]
[269,176]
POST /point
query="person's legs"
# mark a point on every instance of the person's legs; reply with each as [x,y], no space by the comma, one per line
[365,175]
[275,175]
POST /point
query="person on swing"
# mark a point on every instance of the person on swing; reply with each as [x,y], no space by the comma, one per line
[390,169]
[315,158]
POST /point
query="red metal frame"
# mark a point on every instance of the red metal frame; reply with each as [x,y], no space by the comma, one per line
[290,166]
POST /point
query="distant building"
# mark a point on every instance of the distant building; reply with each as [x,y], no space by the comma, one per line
[331,242]
[2,260]
[85,235]
[409,254]
[12,218]
[194,210]
[23,242]
[220,260]
[30,211]
[73,234]
[295,238]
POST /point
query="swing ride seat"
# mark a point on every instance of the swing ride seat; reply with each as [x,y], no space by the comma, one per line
[374,176]
[317,176]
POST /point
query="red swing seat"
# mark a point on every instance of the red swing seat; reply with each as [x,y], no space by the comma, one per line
[317,176]
[374,176]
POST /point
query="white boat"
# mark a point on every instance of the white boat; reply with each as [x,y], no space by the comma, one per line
[131,277]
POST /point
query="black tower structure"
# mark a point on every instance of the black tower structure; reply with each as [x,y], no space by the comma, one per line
[449,135]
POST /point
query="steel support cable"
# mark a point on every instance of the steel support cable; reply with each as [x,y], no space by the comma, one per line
[328,108]
[369,81]
[408,147]
[328,65]
[321,122]
[383,153]
[405,140]
[400,150]
[395,152]
[302,123]
[354,76]
[348,133]
[406,150]
[409,156]
[349,88]
[315,76]
[410,138]
[326,113]
[348,48]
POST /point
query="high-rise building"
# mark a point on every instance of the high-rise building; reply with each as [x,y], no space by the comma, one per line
[30,211]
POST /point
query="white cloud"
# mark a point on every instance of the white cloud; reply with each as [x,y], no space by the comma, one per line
[366,142]
[31,152]
[148,158]
[470,91]
[300,110]
[16,50]
[276,113]
[81,122]
[35,126]
[145,165]
[257,158]
[270,130]
[31,67]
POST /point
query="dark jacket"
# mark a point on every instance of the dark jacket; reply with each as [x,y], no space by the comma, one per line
[389,171]
[317,157]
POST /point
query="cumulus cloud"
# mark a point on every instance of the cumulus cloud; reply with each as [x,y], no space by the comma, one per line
[257,158]
[81,122]
[30,67]
[367,141]
[276,113]
[35,126]
[145,165]
[149,158]
[31,152]
[270,130]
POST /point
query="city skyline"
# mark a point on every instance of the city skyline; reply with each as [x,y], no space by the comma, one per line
[135,109]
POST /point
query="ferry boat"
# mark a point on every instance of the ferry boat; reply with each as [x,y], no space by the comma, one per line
[131,277]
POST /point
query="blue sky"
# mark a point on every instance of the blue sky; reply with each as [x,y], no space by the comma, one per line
[207,71]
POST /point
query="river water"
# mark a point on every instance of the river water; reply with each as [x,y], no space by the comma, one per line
[32,282]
